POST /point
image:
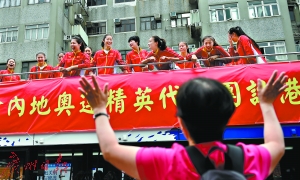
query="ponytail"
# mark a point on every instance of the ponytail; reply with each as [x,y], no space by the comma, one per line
[238,31]
[161,43]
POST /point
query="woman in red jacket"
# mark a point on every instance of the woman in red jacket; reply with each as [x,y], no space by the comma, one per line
[73,61]
[161,53]
[245,46]
[184,52]
[137,55]
[10,68]
[108,57]
[41,66]
[89,51]
[210,51]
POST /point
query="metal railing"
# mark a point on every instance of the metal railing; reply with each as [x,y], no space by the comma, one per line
[156,63]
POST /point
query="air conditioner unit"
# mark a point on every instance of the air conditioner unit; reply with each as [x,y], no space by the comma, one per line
[78,16]
[157,17]
[173,15]
[192,46]
[197,24]
[69,2]
[67,37]
[117,22]
[194,11]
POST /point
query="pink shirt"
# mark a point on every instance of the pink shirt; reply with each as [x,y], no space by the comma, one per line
[174,163]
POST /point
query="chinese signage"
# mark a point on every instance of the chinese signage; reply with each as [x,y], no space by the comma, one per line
[139,100]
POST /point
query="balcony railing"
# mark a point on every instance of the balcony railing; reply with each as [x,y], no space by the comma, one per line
[168,62]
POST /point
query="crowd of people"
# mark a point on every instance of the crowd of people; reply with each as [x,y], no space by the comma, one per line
[139,60]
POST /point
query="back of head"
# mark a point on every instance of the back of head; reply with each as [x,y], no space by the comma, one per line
[205,106]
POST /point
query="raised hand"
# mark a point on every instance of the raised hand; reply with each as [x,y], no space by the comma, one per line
[96,97]
[269,93]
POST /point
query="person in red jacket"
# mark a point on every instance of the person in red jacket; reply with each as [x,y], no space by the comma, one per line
[89,51]
[245,46]
[210,51]
[184,52]
[10,68]
[137,55]
[59,58]
[161,53]
[108,57]
[73,61]
[41,66]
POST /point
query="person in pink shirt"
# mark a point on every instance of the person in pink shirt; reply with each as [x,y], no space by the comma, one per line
[204,107]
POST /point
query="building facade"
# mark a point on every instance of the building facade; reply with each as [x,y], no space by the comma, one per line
[32,26]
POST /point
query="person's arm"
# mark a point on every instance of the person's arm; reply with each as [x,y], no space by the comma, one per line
[246,44]
[121,62]
[128,61]
[222,53]
[112,151]
[31,76]
[273,135]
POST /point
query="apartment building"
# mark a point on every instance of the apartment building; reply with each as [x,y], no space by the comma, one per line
[31,26]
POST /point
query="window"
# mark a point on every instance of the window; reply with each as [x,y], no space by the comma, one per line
[123,1]
[123,54]
[38,1]
[265,8]
[9,3]
[273,48]
[94,28]
[125,26]
[148,23]
[96,2]
[2,67]
[292,13]
[181,20]
[8,34]
[26,66]
[34,32]
[224,12]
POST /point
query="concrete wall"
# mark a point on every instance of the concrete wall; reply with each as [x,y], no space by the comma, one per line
[276,28]
[141,9]
[20,16]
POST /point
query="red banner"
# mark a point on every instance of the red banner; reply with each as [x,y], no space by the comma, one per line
[139,100]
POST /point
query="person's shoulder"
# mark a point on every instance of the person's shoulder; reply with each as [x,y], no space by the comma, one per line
[115,50]
[33,68]
[161,151]
[243,37]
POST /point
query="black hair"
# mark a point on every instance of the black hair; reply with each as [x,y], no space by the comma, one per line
[40,53]
[136,39]
[161,43]
[211,38]
[186,44]
[102,43]
[239,31]
[61,53]
[89,48]
[79,41]
[8,60]
[205,107]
